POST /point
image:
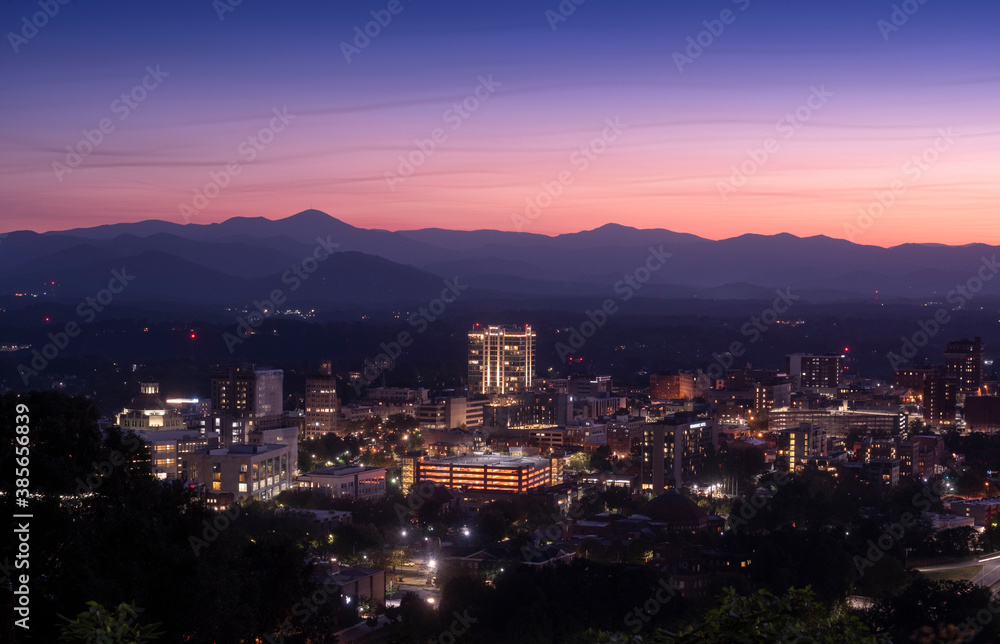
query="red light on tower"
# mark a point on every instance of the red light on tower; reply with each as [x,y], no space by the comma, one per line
[193,336]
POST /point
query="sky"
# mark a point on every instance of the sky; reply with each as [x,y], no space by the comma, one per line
[869,120]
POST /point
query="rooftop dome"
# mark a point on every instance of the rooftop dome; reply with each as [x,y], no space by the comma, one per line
[673,508]
[148,400]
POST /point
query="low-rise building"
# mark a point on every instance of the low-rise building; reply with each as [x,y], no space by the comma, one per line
[493,473]
[795,446]
[167,448]
[347,481]
[355,584]
[983,511]
[243,471]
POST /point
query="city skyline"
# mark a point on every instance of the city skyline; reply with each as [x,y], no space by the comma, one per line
[539,321]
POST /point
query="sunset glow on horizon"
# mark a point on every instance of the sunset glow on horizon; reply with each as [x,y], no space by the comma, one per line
[807,120]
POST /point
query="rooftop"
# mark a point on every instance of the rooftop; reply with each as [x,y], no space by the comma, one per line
[342,470]
[489,460]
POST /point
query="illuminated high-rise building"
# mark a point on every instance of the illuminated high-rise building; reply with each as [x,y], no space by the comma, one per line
[674,451]
[501,359]
[322,404]
[250,392]
[965,361]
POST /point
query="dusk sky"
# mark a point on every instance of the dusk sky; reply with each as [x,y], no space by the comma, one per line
[870,97]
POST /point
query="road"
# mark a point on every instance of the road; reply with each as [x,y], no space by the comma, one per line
[989,576]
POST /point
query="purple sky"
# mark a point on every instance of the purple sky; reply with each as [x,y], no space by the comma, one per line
[904,113]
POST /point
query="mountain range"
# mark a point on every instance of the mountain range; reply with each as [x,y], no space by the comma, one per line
[233,263]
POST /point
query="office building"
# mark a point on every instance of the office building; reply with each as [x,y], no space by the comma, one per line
[451,413]
[794,446]
[965,361]
[813,372]
[598,407]
[671,386]
[398,395]
[529,409]
[589,386]
[839,421]
[279,436]
[624,434]
[930,456]
[249,392]
[547,439]
[983,511]
[982,413]
[940,399]
[167,448]
[768,397]
[347,481]
[912,378]
[881,471]
[242,471]
[906,452]
[501,359]
[586,433]
[674,450]
[322,413]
